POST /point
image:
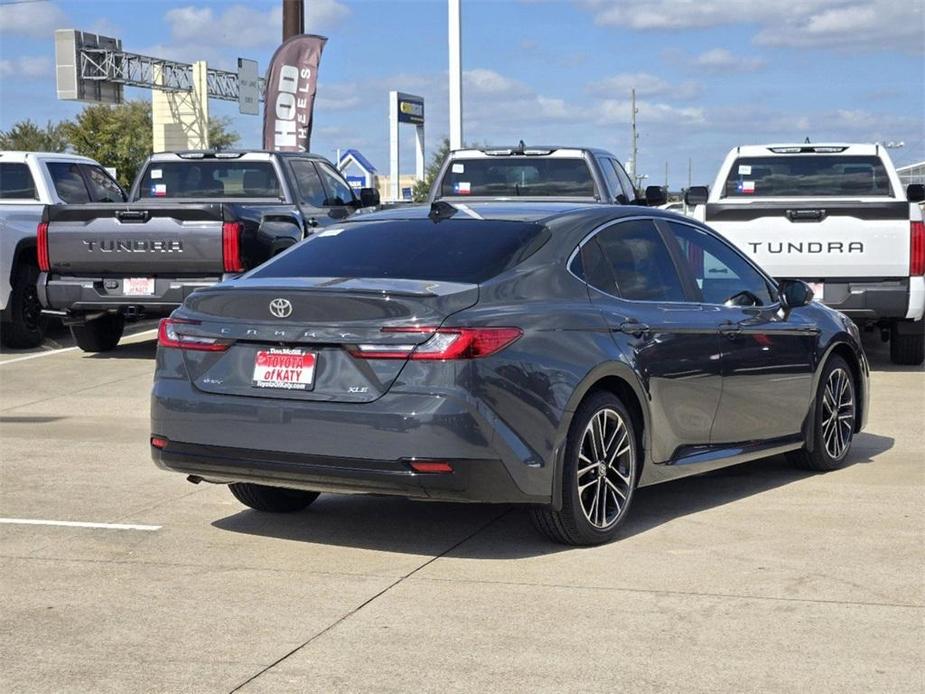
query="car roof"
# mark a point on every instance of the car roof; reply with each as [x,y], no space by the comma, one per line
[229,154]
[561,149]
[21,156]
[790,148]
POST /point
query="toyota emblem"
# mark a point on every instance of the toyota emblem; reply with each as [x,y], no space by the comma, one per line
[281,308]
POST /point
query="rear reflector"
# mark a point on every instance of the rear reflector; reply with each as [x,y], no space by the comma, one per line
[917,249]
[231,246]
[169,335]
[41,234]
[430,466]
[159,442]
[444,343]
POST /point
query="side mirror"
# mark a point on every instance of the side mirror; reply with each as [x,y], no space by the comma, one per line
[795,293]
[696,195]
[655,196]
[369,197]
[915,192]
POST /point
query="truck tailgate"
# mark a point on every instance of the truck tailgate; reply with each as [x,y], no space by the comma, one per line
[136,239]
[816,239]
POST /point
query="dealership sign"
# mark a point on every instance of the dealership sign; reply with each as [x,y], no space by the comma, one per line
[410,109]
[292,80]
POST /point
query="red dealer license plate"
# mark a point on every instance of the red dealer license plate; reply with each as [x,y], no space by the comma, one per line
[289,369]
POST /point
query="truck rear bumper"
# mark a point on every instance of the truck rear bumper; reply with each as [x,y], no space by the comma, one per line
[79,294]
[875,299]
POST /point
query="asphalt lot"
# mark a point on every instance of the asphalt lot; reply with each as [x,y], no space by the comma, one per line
[755,578]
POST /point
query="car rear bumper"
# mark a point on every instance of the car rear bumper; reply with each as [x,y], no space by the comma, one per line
[101,293]
[341,447]
[875,299]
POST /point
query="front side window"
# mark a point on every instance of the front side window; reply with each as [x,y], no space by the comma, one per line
[628,186]
[16,182]
[210,179]
[338,192]
[807,175]
[641,264]
[518,177]
[723,276]
[102,187]
[68,182]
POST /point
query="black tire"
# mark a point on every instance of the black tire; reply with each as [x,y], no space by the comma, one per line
[26,325]
[573,525]
[905,348]
[101,334]
[820,459]
[272,499]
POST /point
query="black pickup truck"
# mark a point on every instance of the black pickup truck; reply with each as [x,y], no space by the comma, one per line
[192,219]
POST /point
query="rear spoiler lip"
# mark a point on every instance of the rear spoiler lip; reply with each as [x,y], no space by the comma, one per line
[327,285]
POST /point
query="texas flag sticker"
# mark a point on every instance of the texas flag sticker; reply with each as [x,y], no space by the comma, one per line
[159,190]
[746,187]
[462,188]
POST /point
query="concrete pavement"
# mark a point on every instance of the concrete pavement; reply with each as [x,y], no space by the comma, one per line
[754,578]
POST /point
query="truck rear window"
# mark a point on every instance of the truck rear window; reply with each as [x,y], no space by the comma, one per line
[801,175]
[518,177]
[210,179]
[16,182]
[469,251]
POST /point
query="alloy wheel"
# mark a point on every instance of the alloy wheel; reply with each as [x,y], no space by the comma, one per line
[837,413]
[605,468]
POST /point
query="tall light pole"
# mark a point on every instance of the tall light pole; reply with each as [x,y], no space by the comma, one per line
[634,111]
[454,36]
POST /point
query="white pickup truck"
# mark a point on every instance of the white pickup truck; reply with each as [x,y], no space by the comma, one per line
[836,216]
[28,182]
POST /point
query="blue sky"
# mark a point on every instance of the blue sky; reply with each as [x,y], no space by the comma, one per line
[709,74]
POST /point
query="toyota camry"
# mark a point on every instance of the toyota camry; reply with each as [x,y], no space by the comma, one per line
[553,355]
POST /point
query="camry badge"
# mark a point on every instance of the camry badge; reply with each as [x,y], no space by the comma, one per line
[281,308]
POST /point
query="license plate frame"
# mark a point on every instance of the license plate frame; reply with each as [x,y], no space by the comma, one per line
[138,286]
[279,368]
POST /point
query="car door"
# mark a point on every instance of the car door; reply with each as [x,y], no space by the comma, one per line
[340,200]
[768,354]
[310,192]
[634,280]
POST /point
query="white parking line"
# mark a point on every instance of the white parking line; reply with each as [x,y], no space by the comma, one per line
[78,524]
[69,349]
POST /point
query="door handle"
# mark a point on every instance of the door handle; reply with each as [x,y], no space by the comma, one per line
[138,216]
[634,328]
[730,330]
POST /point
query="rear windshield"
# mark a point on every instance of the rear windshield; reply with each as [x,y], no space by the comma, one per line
[807,175]
[469,251]
[518,177]
[16,182]
[210,179]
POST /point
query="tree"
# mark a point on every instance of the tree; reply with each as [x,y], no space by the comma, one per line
[220,136]
[117,136]
[27,136]
[422,188]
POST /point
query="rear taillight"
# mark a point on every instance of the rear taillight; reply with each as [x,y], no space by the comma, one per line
[169,334]
[41,234]
[430,466]
[444,343]
[231,246]
[159,442]
[917,249]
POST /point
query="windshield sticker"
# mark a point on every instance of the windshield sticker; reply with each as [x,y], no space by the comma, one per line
[746,187]
[329,232]
[745,169]
[157,173]
[459,168]
[462,188]
[159,190]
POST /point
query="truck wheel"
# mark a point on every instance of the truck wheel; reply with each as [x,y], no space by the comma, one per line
[272,499]
[26,327]
[907,342]
[101,334]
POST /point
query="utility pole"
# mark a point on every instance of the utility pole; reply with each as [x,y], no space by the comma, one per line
[454,37]
[666,175]
[293,18]
[690,172]
[635,142]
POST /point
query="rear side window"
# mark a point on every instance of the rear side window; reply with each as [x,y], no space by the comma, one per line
[468,251]
[102,187]
[68,182]
[339,193]
[640,261]
[518,177]
[613,182]
[311,192]
[805,175]
[210,179]
[16,183]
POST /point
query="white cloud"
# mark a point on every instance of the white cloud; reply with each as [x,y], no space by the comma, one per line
[482,81]
[618,111]
[26,67]
[338,97]
[867,24]
[38,20]
[619,86]
[723,60]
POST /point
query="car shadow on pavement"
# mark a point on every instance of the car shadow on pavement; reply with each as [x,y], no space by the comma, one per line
[133,350]
[482,531]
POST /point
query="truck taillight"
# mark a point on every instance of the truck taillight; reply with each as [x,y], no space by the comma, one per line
[41,234]
[917,249]
[231,246]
